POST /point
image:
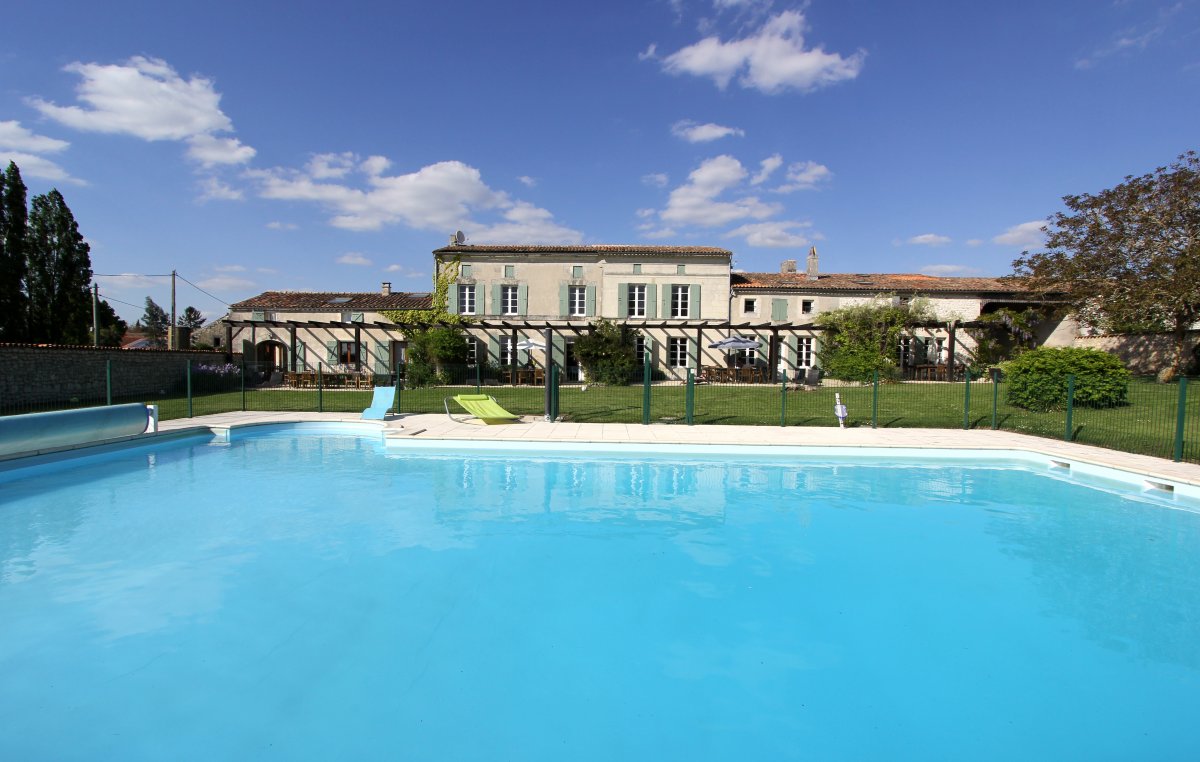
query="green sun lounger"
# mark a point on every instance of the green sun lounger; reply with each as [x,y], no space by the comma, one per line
[482,406]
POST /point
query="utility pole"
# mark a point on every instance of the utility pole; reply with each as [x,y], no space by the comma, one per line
[95,316]
[171,329]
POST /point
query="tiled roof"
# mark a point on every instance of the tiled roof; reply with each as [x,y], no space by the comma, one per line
[315,301]
[874,282]
[619,249]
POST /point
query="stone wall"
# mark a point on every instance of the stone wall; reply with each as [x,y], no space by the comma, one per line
[52,375]
[1145,353]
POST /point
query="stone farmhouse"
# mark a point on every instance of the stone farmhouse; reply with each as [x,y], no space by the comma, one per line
[681,298]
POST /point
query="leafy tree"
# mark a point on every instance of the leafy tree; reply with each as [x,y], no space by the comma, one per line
[13,221]
[429,350]
[1129,255]
[155,322]
[59,273]
[609,352]
[112,328]
[191,318]
[865,338]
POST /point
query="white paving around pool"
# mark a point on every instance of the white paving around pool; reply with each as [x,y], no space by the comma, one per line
[438,426]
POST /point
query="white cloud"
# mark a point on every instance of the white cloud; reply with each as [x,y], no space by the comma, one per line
[656,180]
[649,53]
[405,272]
[230,269]
[767,167]
[276,225]
[703,133]
[947,271]
[353,258]
[37,166]
[804,175]
[209,150]
[442,196]
[695,202]
[527,181]
[128,282]
[212,189]
[375,165]
[974,241]
[14,137]
[1134,39]
[772,235]
[929,239]
[1026,234]
[772,60]
[226,283]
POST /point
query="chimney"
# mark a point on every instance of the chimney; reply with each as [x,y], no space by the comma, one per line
[385,288]
[788,266]
[810,266]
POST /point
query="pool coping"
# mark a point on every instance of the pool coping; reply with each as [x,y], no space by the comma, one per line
[434,427]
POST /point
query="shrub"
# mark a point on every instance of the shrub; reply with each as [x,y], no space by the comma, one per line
[865,338]
[609,352]
[1037,380]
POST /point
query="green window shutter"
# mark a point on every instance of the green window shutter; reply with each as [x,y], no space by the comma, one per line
[497,308]
[666,300]
[649,345]
[694,301]
[693,356]
[559,343]
[452,299]
[793,350]
[479,292]
[258,315]
[622,300]
[300,361]
[522,356]
[383,357]
[523,299]
[590,301]
[493,350]
[331,355]
[779,309]
[651,300]
[564,292]
[356,317]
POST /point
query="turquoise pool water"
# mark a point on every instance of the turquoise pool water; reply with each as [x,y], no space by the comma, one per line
[300,596]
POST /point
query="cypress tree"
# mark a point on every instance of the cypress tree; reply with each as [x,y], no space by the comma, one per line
[60,270]
[13,220]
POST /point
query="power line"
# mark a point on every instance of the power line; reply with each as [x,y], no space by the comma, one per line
[108,298]
[193,285]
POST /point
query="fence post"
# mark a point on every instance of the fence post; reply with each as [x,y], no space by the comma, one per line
[967,400]
[689,400]
[995,397]
[108,382]
[1070,405]
[552,379]
[875,402]
[189,386]
[243,377]
[1180,418]
[783,400]
[320,390]
[396,401]
[646,391]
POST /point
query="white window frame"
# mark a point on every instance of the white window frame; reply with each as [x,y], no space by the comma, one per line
[508,354]
[472,351]
[749,306]
[639,349]
[806,307]
[577,301]
[677,352]
[804,352]
[680,296]
[466,299]
[637,300]
[509,300]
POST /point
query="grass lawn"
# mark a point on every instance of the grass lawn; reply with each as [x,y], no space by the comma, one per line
[1146,425]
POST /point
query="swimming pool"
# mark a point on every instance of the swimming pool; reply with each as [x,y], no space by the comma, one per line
[313,594]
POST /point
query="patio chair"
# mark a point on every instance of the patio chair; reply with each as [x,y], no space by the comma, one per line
[483,406]
[381,402]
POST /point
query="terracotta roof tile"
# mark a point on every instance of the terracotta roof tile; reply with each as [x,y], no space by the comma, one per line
[873,282]
[318,301]
[621,249]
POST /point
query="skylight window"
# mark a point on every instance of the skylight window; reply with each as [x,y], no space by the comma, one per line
[339,300]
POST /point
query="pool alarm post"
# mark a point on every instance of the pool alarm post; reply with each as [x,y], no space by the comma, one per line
[840,410]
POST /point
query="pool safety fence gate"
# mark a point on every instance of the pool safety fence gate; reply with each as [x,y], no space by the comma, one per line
[1157,419]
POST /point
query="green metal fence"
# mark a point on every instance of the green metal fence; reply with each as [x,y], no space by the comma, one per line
[1159,419]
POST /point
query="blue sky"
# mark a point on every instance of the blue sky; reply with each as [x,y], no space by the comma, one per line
[291,146]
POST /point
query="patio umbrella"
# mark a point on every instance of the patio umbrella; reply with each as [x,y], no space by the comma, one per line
[527,344]
[735,342]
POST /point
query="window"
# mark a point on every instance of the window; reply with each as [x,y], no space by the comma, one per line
[637,269]
[639,349]
[508,299]
[804,352]
[507,355]
[466,299]
[577,301]
[472,351]
[347,353]
[679,269]
[743,357]
[510,271]
[750,306]
[806,306]
[637,300]
[464,271]
[677,353]
[577,271]
[679,301]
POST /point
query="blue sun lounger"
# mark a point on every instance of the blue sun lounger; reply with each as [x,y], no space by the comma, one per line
[381,402]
